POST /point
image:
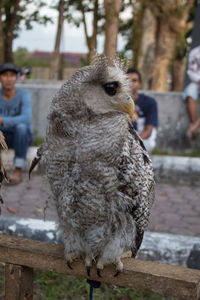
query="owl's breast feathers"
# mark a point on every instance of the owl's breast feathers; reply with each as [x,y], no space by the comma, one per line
[105,162]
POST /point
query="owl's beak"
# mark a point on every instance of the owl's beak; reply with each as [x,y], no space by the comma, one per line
[128,107]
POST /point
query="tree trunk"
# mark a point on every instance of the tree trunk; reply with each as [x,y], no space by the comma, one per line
[112,9]
[11,16]
[170,24]
[91,40]
[147,53]
[178,74]
[54,68]
[1,37]
[165,46]
[138,11]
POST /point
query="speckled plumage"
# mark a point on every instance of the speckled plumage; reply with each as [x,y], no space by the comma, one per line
[3,174]
[99,171]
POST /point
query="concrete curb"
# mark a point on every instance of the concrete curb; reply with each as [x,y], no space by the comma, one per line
[34,229]
[7,157]
[178,163]
[177,169]
[160,247]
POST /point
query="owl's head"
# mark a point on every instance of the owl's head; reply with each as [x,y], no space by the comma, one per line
[101,87]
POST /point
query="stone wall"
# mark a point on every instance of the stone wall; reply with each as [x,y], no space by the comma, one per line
[173,119]
[173,122]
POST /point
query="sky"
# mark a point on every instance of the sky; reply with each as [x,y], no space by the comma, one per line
[42,37]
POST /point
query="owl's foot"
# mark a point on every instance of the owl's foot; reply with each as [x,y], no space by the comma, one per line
[69,264]
[100,265]
[119,268]
[117,273]
[69,259]
[99,272]
[88,268]
[88,264]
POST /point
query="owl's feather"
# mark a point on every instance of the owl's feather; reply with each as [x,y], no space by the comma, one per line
[100,174]
[3,174]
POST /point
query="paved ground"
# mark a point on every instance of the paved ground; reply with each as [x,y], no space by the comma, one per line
[176,209]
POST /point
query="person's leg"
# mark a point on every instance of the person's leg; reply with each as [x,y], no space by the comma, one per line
[8,135]
[21,141]
[192,109]
[190,95]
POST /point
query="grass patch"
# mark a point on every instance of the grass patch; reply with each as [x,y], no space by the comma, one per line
[53,286]
[2,282]
[192,154]
[38,140]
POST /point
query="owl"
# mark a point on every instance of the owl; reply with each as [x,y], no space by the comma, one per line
[3,174]
[99,172]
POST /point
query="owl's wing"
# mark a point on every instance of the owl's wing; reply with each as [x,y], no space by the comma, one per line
[2,141]
[136,183]
[36,159]
[3,174]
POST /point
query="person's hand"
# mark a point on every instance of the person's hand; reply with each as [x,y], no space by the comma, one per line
[1,121]
[134,117]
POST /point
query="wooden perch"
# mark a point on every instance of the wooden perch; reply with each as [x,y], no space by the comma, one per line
[164,279]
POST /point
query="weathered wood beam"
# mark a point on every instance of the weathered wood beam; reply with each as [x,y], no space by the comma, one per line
[141,275]
[18,282]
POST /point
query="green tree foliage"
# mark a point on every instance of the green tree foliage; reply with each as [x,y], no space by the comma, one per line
[77,13]
[22,59]
[20,54]
[15,14]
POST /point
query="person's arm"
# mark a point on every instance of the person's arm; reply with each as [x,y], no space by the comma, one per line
[146,133]
[25,114]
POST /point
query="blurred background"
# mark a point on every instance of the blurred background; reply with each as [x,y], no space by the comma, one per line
[50,39]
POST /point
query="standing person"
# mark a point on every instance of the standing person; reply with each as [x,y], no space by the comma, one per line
[145,120]
[15,118]
[191,92]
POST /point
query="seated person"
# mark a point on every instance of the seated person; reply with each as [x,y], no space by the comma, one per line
[15,118]
[191,92]
[145,119]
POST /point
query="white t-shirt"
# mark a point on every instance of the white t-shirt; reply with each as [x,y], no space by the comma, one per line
[150,142]
[194,64]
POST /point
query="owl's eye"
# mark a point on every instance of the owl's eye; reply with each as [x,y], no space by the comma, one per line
[111,88]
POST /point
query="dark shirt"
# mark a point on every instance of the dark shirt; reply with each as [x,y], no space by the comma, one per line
[147,110]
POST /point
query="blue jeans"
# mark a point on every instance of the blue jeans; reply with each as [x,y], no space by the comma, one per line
[18,138]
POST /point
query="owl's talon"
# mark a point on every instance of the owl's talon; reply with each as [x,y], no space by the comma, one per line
[99,272]
[88,264]
[88,268]
[69,264]
[119,267]
[117,273]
